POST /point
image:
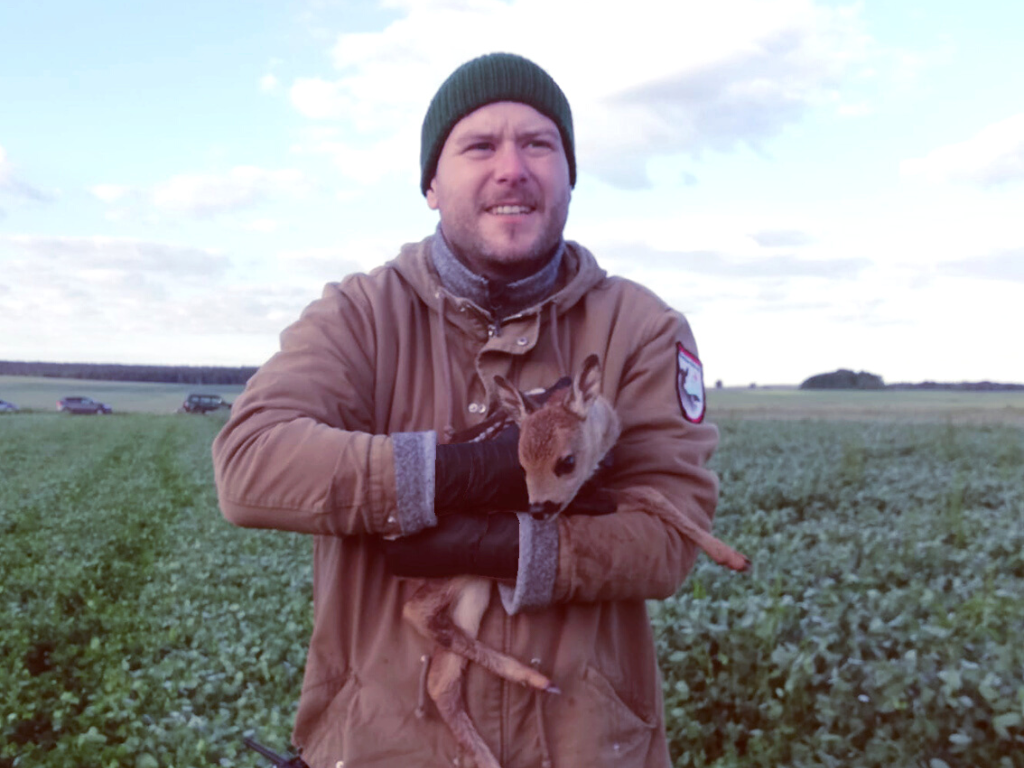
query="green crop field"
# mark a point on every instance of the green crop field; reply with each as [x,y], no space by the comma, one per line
[881,625]
[894,405]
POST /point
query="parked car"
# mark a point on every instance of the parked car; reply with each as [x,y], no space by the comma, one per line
[7,407]
[82,405]
[200,403]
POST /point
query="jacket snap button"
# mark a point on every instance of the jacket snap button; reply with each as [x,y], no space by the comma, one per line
[473,408]
[522,341]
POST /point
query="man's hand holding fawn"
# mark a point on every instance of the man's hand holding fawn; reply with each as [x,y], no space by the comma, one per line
[480,477]
[461,544]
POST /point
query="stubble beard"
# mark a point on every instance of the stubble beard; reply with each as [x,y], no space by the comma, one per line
[508,261]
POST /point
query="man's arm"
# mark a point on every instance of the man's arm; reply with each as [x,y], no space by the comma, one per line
[301,450]
[298,452]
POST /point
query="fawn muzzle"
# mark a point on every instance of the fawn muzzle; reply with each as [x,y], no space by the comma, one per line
[546,510]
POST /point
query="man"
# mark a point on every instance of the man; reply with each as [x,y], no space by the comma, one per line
[344,434]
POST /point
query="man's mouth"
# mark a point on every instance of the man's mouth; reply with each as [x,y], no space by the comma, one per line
[510,210]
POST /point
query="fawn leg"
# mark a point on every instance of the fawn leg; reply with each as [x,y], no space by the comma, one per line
[450,612]
[658,505]
[716,549]
[444,684]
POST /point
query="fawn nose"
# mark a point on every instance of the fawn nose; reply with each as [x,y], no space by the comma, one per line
[545,510]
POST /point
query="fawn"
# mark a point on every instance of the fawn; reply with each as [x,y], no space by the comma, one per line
[561,444]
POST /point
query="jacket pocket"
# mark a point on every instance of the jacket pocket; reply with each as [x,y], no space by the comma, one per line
[595,727]
[327,738]
[368,726]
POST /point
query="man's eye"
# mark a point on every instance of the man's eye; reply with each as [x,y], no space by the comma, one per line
[565,465]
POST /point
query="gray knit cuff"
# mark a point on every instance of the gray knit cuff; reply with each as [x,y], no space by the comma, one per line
[414,479]
[538,563]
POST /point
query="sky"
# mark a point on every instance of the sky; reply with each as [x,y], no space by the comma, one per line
[815,185]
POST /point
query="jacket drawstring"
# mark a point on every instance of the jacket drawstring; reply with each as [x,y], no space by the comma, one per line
[421,699]
[446,365]
[554,341]
[538,697]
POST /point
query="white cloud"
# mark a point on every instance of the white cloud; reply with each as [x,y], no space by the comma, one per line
[269,83]
[781,238]
[325,264]
[12,184]
[262,225]
[242,187]
[394,153]
[47,256]
[710,76]
[1000,266]
[205,195]
[726,75]
[319,99]
[110,193]
[994,156]
[97,298]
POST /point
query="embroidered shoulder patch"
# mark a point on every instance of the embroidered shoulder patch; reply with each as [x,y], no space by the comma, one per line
[690,384]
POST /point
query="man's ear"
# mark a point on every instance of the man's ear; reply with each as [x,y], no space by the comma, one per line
[432,201]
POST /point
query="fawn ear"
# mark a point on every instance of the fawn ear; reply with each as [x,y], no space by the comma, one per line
[587,386]
[510,399]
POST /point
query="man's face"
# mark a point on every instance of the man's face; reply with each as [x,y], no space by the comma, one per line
[502,189]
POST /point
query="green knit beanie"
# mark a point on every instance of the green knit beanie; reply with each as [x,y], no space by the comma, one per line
[485,80]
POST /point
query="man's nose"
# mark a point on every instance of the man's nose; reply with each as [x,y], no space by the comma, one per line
[511,165]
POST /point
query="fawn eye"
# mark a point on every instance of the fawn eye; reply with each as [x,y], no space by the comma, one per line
[565,465]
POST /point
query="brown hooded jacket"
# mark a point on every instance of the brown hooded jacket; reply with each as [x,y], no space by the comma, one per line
[308,448]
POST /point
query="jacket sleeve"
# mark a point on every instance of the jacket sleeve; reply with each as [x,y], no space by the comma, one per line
[659,474]
[298,452]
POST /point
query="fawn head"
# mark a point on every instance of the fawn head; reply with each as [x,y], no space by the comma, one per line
[562,441]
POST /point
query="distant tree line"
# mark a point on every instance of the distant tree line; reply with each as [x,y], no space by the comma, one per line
[844,379]
[163,374]
[847,379]
[962,386]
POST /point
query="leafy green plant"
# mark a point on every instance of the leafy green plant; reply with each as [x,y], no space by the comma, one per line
[880,625]
[140,628]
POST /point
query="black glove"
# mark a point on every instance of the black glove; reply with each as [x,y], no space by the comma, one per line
[482,476]
[592,500]
[460,544]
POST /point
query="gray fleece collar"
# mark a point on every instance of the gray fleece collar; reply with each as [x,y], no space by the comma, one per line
[501,300]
